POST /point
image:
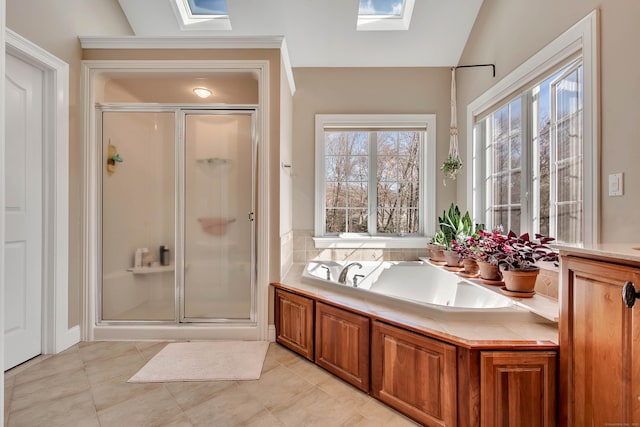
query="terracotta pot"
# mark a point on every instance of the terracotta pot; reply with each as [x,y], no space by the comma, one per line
[489,271]
[452,258]
[470,266]
[436,252]
[520,280]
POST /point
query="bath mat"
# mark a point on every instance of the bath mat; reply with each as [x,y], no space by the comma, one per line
[205,361]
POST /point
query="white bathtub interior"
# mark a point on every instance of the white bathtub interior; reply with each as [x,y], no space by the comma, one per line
[427,289]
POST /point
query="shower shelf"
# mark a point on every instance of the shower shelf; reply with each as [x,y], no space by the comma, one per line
[151,270]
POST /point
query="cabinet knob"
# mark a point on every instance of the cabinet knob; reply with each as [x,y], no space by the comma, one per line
[629,294]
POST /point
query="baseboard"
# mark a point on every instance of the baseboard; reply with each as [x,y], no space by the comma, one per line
[69,338]
[272,333]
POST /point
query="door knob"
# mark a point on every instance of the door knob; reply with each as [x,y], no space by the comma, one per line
[629,294]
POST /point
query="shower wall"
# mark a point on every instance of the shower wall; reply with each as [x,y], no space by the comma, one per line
[138,211]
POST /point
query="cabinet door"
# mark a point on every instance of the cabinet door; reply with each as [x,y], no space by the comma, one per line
[599,339]
[518,389]
[294,322]
[414,374]
[342,344]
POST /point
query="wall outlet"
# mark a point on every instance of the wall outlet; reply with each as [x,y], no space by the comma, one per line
[616,184]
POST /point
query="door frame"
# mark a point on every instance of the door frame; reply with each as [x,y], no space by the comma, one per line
[56,335]
[91,72]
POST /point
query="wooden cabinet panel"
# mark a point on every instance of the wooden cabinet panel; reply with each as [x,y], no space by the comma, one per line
[518,389]
[294,322]
[342,344]
[414,374]
[599,339]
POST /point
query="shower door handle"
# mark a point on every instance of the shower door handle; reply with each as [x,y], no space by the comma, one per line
[251,216]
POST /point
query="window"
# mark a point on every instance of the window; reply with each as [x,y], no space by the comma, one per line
[532,148]
[534,143]
[374,178]
[384,15]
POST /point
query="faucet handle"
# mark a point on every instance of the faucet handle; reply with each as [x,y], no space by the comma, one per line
[328,271]
[355,279]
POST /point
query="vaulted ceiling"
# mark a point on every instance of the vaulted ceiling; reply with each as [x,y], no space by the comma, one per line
[322,33]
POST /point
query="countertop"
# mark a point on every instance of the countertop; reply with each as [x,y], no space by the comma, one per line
[614,251]
[531,332]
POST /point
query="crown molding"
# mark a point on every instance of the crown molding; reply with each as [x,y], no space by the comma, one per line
[182,42]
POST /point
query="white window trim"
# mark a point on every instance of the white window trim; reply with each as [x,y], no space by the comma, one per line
[582,39]
[387,22]
[427,187]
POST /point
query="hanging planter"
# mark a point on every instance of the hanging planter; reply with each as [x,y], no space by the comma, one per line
[453,164]
[451,167]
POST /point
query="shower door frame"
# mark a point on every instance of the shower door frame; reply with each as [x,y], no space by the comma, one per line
[180,111]
[92,71]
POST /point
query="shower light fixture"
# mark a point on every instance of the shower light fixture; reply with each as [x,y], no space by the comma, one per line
[202,92]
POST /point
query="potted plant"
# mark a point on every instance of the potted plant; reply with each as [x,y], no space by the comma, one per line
[466,255]
[436,247]
[486,248]
[456,227]
[517,260]
[450,167]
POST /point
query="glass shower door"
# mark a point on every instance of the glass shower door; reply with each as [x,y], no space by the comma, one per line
[219,167]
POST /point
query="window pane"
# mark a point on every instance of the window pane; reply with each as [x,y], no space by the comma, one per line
[516,152]
[387,220]
[387,194]
[357,195]
[336,195]
[514,119]
[387,170]
[381,7]
[358,221]
[501,123]
[335,168]
[408,221]
[408,194]
[358,169]
[335,143]
[501,155]
[408,143]
[335,220]
[501,190]
[570,223]
[515,185]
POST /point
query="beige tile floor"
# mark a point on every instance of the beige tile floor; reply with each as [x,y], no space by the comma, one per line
[87,386]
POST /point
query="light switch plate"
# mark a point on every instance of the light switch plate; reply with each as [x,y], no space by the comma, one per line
[615,184]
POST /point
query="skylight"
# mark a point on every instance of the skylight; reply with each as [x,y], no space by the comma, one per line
[208,7]
[381,7]
[202,14]
[384,15]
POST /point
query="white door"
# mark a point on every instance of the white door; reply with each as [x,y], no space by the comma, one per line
[24,212]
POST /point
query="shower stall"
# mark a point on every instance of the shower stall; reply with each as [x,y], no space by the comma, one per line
[176,204]
[176,224]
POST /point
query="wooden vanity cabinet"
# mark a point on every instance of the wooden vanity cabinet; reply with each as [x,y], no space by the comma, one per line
[414,374]
[342,344]
[294,322]
[518,388]
[599,344]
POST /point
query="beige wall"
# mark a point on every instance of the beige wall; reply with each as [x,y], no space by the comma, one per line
[55,26]
[363,91]
[508,32]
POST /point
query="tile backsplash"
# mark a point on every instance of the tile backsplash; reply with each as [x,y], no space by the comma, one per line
[304,250]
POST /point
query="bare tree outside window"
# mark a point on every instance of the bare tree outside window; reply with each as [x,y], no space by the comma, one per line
[350,159]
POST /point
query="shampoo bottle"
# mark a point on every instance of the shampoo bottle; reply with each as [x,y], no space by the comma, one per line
[137,259]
